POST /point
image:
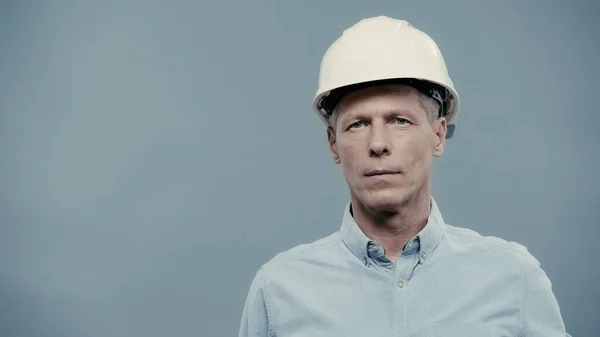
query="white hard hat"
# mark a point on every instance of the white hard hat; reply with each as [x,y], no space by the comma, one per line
[382,49]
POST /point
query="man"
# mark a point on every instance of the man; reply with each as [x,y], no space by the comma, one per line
[395,268]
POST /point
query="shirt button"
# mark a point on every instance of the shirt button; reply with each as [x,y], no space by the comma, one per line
[401,284]
[423,255]
[376,247]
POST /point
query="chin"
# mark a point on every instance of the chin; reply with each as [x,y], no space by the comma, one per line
[389,200]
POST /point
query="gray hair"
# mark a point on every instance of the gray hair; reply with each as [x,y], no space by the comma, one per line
[429,104]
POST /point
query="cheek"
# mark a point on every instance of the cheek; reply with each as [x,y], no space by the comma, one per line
[415,155]
[348,153]
[351,161]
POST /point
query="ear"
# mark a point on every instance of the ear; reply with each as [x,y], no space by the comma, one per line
[333,145]
[441,129]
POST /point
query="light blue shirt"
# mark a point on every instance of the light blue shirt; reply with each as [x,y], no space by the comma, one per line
[448,282]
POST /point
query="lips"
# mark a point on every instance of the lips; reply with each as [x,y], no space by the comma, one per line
[374,173]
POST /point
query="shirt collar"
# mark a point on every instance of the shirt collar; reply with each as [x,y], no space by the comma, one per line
[425,241]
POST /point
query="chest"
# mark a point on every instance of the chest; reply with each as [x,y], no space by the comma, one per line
[380,303]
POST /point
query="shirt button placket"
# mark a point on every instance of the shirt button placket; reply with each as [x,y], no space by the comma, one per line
[401,306]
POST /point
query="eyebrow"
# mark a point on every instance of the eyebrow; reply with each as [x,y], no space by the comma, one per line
[386,112]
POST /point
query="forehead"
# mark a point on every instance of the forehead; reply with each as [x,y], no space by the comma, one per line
[380,99]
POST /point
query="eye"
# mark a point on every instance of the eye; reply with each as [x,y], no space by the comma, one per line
[355,125]
[401,121]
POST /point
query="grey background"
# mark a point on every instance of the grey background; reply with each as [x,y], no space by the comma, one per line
[155,154]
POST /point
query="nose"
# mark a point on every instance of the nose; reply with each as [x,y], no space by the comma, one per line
[379,144]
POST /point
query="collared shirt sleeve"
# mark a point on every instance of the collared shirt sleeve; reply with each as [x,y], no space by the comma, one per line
[541,315]
[255,318]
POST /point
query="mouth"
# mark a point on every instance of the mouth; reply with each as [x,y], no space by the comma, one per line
[375,173]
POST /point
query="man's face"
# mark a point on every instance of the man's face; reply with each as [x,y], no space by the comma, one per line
[386,145]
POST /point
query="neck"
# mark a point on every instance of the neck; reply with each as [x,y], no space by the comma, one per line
[394,228]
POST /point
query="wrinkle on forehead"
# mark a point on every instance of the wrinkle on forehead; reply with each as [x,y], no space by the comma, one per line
[379,91]
[378,100]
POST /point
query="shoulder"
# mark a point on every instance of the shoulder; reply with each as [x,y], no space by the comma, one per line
[510,265]
[470,242]
[501,262]
[304,254]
